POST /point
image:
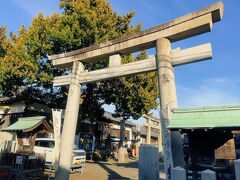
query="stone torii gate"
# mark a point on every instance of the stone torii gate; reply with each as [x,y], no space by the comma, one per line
[160,37]
[149,126]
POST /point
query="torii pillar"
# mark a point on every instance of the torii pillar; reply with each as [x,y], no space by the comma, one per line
[70,122]
[149,133]
[167,92]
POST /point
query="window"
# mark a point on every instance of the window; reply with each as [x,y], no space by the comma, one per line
[51,144]
[44,143]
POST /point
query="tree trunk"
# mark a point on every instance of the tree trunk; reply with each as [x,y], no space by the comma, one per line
[122,133]
[122,152]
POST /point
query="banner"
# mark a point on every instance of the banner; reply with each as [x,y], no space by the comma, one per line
[57,121]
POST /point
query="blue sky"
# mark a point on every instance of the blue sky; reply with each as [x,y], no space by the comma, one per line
[204,83]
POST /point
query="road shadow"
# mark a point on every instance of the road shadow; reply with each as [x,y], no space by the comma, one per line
[112,175]
[98,162]
[132,164]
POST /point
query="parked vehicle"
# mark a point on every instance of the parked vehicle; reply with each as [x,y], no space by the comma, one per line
[45,146]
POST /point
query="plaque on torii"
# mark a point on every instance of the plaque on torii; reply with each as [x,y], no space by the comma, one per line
[161,37]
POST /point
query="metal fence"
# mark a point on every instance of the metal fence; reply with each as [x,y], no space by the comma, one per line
[21,166]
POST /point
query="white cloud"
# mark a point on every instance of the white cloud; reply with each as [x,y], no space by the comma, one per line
[221,81]
[210,92]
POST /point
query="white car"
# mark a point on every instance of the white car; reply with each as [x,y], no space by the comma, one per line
[45,146]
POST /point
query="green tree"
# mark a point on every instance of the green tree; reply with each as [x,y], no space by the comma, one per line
[132,95]
[17,69]
[82,23]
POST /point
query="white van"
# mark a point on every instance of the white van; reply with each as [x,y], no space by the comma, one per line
[45,146]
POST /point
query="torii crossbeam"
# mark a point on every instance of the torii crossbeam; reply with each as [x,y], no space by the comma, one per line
[160,37]
[115,69]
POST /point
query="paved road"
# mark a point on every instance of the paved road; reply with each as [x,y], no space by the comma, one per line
[108,171]
[111,171]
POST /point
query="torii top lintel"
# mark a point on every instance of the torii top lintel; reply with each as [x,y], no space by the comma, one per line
[187,26]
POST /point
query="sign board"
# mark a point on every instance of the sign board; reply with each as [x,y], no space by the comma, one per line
[57,118]
[86,136]
[87,142]
[19,160]
[226,151]
[32,157]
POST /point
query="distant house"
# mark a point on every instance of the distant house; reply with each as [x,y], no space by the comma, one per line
[9,115]
[107,126]
[26,130]
[114,128]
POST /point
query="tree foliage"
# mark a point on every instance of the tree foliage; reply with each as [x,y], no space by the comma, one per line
[17,68]
[26,72]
